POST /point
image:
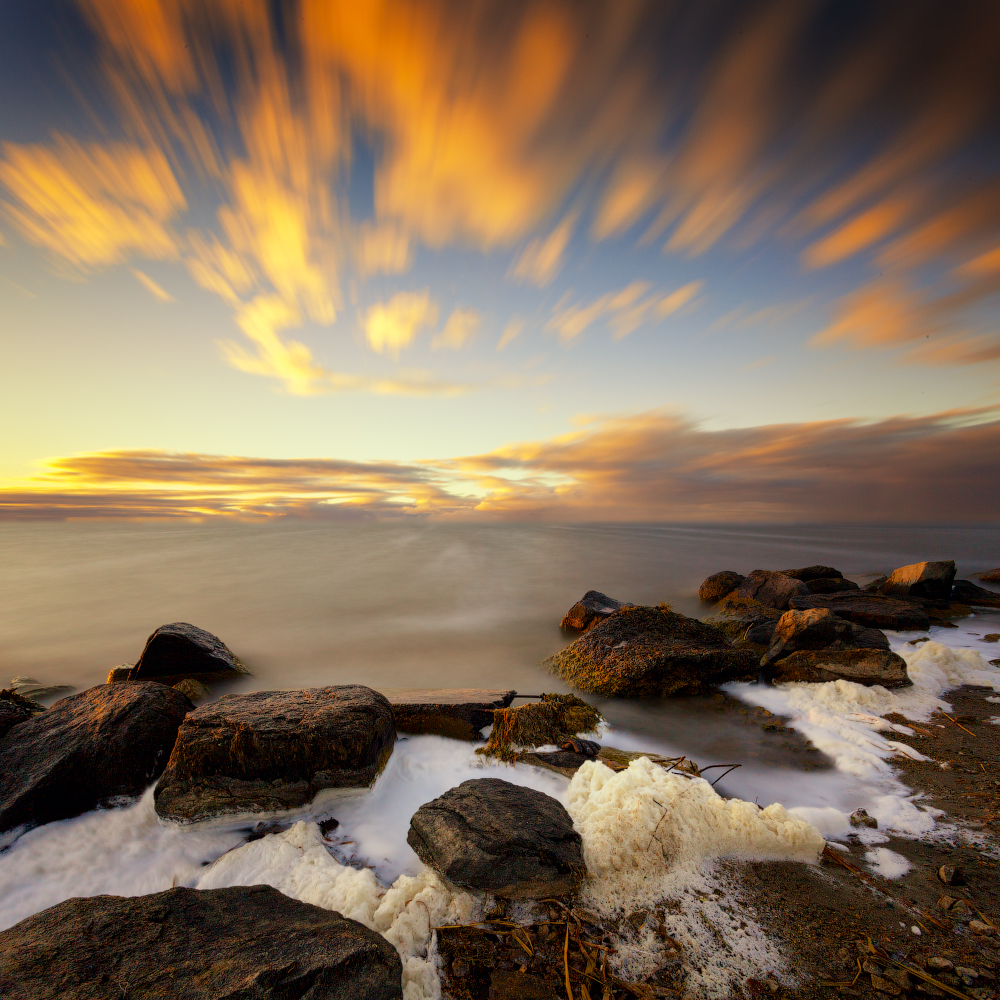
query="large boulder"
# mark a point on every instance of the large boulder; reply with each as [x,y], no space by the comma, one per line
[179,650]
[14,708]
[807,573]
[110,741]
[190,944]
[651,651]
[592,608]
[498,837]
[773,590]
[862,666]
[716,586]
[924,579]
[819,628]
[864,608]
[969,593]
[274,750]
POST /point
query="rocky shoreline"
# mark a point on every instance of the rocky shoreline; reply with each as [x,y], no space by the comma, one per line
[511,853]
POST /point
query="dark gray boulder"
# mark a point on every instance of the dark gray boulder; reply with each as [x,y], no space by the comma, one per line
[14,708]
[592,608]
[969,593]
[807,573]
[924,579]
[819,628]
[110,741]
[498,837]
[862,666]
[830,585]
[651,651]
[239,943]
[865,608]
[274,750]
[716,586]
[773,590]
[179,650]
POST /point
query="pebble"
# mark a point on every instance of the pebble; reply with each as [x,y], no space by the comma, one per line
[951,875]
[885,986]
[938,964]
[979,927]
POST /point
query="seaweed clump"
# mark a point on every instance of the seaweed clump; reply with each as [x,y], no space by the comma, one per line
[554,719]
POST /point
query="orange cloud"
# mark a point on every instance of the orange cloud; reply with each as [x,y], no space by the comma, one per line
[157,291]
[459,330]
[391,326]
[542,259]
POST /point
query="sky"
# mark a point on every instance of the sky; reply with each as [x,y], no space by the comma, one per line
[556,259]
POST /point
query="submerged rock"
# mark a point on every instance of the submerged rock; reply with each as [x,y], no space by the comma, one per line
[179,650]
[718,585]
[868,609]
[88,749]
[498,837]
[651,651]
[969,593]
[924,579]
[808,573]
[243,941]
[819,628]
[990,576]
[592,608]
[274,750]
[862,666]
[773,590]
[29,687]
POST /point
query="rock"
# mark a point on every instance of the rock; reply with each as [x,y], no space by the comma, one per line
[979,927]
[872,610]
[592,608]
[808,573]
[924,579]
[990,576]
[860,817]
[761,633]
[244,941]
[884,985]
[991,637]
[946,902]
[951,875]
[862,666]
[194,690]
[28,687]
[87,750]
[938,964]
[960,911]
[773,590]
[459,713]
[497,837]
[11,713]
[120,673]
[819,628]
[176,651]
[874,586]
[718,585]
[651,651]
[969,593]
[831,585]
[274,750]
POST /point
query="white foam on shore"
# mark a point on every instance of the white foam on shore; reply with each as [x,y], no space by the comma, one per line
[887,863]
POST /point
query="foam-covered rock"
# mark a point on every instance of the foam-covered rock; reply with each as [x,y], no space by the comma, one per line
[491,835]
[923,579]
[863,608]
[819,628]
[650,651]
[244,941]
[592,608]
[716,586]
[862,666]
[110,741]
[179,650]
[773,590]
[807,573]
[274,750]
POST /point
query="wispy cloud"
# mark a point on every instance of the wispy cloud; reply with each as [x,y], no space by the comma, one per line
[542,259]
[157,291]
[459,330]
[513,330]
[391,326]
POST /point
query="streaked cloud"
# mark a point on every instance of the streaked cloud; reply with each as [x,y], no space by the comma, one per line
[513,330]
[391,326]
[383,249]
[542,259]
[459,330]
[157,291]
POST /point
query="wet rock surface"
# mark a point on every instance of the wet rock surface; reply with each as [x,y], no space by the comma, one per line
[460,713]
[862,666]
[773,590]
[110,741]
[591,609]
[14,708]
[274,750]
[969,593]
[646,651]
[498,837]
[179,650]
[819,628]
[242,942]
[873,610]
[923,579]
[715,587]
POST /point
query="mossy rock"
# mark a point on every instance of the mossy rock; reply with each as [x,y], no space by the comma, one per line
[552,720]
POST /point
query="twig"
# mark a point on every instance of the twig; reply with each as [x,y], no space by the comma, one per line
[732,767]
[569,988]
[960,726]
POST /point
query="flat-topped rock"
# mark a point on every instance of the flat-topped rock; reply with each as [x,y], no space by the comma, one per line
[592,608]
[923,579]
[179,650]
[807,573]
[862,666]
[864,608]
[110,741]
[191,944]
[492,835]
[274,750]
[773,590]
[819,628]
[716,586]
[460,713]
[651,651]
